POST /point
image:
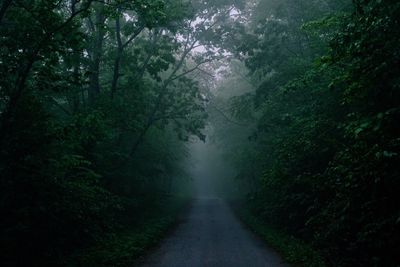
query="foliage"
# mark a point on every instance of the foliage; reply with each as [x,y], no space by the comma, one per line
[125,247]
[96,101]
[294,251]
[322,163]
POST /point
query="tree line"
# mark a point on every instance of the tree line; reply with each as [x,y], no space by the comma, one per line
[97,99]
[313,95]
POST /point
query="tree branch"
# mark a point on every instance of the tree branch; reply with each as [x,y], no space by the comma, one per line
[133,36]
[191,70]
[61,107]
[227,118]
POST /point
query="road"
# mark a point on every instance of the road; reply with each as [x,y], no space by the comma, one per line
[210,235]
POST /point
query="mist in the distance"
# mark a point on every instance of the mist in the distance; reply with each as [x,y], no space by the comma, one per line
[212,175]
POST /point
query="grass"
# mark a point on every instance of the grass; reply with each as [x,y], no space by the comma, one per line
[294,251]
[124,248]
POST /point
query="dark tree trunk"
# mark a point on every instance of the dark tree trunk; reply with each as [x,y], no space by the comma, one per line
[94,78]
[146,62]
[140,138]
[75,101]
[120,50]
[118,57]
[7,116]
[4,7]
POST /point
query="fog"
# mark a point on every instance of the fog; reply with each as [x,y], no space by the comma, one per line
[212,175]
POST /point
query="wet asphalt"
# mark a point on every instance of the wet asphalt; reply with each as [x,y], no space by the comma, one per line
[210,235]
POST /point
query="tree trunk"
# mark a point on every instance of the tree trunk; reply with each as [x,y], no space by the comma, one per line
[120,49]
[4,7]
[7,116]
[94,78]
[140,138]
[75,102]
[118,56]
[146,62]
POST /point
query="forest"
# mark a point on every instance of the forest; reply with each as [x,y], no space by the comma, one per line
[100,101]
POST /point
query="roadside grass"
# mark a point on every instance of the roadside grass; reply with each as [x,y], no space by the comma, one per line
[124,248]
[294,251]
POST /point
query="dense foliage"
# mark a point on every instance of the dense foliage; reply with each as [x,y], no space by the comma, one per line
[96,99]
[320,156]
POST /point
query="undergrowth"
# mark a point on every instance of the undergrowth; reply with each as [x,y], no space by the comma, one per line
[124,248]
[292,250]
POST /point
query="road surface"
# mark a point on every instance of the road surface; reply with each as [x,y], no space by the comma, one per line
[210,235]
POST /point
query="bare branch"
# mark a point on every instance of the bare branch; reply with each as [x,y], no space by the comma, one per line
[191,70]
[61,107]
[227,118]
[133,36]
[206,72]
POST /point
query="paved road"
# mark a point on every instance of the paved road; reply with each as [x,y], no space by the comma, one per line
[210,235]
